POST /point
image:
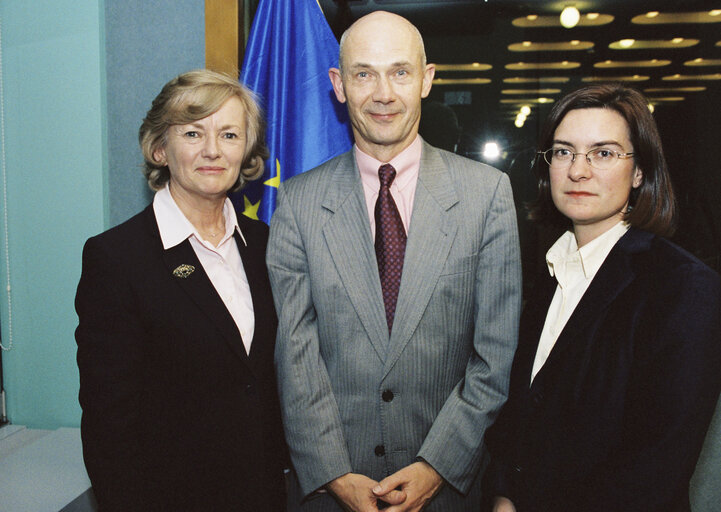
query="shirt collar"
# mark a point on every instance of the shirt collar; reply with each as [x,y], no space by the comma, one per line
[175,228]
[591,256]
[404,163]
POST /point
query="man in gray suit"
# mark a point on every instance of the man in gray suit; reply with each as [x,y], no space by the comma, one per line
[387,389]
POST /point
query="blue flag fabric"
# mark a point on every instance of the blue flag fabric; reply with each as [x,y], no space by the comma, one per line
[289,51]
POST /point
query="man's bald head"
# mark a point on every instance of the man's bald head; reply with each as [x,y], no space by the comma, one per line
[379,21]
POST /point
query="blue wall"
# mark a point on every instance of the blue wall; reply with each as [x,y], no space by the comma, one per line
[147,44]
[55,157]
[78,76]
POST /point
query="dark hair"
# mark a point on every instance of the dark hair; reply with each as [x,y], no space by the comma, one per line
[193,96]
[652,205]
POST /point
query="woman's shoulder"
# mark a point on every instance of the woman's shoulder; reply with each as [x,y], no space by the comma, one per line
[129,233]
[672,263]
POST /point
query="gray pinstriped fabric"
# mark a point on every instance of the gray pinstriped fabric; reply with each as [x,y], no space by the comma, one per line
[705,490]
[448,359]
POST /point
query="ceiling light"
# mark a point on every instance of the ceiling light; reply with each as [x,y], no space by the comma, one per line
[677,17]
[537,79]
[525,66]
[491,150]
[703,62]
[644,44]
[570,17]
[652,14]
[471,66]
[653,63]
[531,46]
[715,76]
[531,91]
[532,17]
[505,101]
[519,123]
[651,107]
[594,20]
[628,78]
[461,81]
[525,109]
[697,88]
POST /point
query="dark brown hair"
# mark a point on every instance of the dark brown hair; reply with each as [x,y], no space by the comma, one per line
[188,98]
[652,205]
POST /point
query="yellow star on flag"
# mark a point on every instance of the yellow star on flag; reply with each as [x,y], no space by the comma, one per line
[250,210]
[275,181]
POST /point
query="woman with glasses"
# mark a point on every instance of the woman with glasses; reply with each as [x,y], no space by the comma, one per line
[619,360]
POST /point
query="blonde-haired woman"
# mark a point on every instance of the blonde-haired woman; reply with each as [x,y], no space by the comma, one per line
[177,324]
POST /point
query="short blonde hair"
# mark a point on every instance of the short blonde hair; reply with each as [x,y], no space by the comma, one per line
[188,98]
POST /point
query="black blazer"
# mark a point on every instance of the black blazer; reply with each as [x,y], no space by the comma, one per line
[176,416]
[615,419]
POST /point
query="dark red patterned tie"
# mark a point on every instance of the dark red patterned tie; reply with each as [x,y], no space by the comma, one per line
[390,242]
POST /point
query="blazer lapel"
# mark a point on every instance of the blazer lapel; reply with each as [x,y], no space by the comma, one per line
[430,237]
[615,274]
[253,256]
[355,262]
[532,321]
[200,290]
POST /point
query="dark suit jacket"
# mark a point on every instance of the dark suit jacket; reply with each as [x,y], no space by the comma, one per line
[176,416]
[616,417]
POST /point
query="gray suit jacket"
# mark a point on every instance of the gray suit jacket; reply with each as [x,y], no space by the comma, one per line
[705,491]
[355,400]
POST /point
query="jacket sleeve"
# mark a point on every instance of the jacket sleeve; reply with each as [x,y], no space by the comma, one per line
[109,338]
[670,401]
[311,418]
[454,444]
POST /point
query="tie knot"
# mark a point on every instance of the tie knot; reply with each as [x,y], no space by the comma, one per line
[387,174]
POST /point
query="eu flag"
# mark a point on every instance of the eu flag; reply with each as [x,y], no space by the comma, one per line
[289,51]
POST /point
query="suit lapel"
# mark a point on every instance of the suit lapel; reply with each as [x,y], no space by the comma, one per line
[532,321]
[354,261]
[430,237]
[200,290]
[615,274]
[253,256]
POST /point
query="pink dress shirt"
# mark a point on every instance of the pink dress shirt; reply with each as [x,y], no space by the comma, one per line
[403,189]
[222,263]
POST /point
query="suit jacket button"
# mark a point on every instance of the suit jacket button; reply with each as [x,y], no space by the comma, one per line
[387,395]
[380,450]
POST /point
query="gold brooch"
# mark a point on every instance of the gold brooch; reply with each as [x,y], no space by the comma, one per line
[183,271]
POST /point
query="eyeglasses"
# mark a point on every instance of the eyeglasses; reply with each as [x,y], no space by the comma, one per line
[602,159]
